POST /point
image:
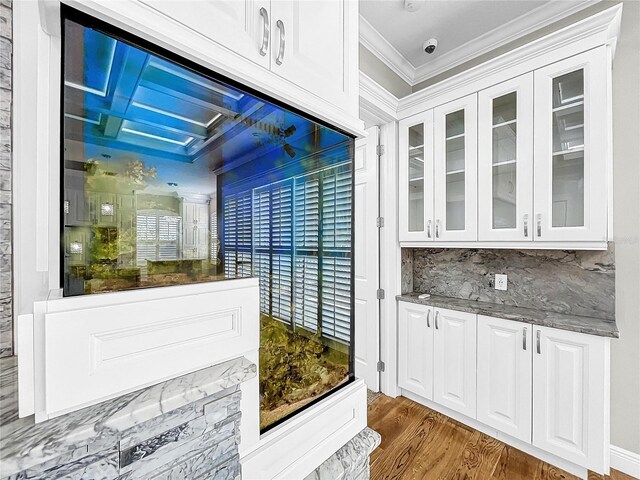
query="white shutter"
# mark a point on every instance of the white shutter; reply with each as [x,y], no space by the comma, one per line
[230,235]
[336,297]
[306,292]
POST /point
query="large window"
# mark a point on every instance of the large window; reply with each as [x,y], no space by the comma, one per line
[173,175]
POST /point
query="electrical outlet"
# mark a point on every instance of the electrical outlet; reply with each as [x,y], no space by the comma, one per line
[501,282]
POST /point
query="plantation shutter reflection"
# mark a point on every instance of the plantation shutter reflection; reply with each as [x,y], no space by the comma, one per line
[230,235]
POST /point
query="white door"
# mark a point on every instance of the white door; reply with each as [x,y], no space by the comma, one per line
[242,26]
[415,193]
[455,170]
[365,251]
[309,46]
[570,149]
[454,363]
[505,161]
[415,348]
[504,376]
[570,371]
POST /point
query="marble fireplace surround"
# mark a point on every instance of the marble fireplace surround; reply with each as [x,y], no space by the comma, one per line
[562,281]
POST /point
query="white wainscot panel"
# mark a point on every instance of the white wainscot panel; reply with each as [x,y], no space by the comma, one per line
[102,346]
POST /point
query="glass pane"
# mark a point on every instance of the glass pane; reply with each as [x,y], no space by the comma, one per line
[173,177]
[504,196]
[416,178]
[568,128]
[568,88]
[504,143]
[455,201]
[455,124]
[568,190]
[504,108]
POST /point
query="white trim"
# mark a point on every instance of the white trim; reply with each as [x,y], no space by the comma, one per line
[599,29]
[509,245]
[376,103]
[625,461]
[517,28]
[373,41]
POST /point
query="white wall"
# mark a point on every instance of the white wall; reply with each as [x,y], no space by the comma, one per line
[625,352]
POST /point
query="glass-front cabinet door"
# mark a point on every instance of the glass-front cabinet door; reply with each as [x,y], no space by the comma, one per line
[455,170]
[570,153]
[416,178]
[505,161]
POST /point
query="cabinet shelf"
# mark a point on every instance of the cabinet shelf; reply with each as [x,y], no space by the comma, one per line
[506,162]
[505,124]
[454,137]
[570,150]
[568,107]
[455,172]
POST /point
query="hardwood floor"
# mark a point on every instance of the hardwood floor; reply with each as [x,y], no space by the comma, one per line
[422,444]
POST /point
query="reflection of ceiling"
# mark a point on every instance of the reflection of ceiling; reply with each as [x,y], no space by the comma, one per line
[123,97]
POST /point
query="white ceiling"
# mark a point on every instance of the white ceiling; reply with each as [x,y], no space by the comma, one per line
[464,29]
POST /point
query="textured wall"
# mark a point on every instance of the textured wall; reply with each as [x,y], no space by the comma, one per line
[575,282]
[6,323]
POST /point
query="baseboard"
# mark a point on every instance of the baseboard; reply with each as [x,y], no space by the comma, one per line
[625,461]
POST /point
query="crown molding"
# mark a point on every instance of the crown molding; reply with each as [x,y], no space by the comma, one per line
[538,18]
[376,103]
[599,29]
[371,39]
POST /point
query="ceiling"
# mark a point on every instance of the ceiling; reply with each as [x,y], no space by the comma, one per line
[464,29]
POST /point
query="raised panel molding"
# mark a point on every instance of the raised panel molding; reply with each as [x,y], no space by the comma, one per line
[152,334]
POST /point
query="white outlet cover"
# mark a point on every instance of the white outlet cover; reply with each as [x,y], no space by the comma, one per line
[500,282]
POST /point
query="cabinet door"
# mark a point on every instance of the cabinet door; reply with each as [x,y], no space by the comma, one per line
[309,45]
[570,395]
[415,348]
[505,161]
[454,362]
[242,26]
[504,376]
[570,152]
[415,207]
[455,167]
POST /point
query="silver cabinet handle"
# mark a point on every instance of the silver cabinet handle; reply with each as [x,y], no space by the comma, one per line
[538,341]
[428,317]
[266,32]
[437,316]
[429,229]
[526,225]
[524,338]
[280,56]
[438,228]
[539,224]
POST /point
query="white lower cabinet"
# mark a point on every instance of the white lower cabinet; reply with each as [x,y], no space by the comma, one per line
[571,396]
[454,361]
[415,358]
[545,387]
[504,376]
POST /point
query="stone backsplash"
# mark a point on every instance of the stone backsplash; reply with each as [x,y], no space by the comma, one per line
[564,281]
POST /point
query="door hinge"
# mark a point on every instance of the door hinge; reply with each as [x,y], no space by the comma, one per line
[380,150]
[380,222]
[380,294]
[380,366]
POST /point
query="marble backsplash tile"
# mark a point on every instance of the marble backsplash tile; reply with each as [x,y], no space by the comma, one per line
[572,282]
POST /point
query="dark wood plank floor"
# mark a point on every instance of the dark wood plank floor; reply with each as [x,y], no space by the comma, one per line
[422,444]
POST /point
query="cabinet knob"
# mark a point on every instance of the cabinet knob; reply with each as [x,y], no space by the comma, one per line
[280,56]
[266,32]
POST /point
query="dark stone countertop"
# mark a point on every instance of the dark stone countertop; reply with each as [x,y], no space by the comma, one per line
[603,327]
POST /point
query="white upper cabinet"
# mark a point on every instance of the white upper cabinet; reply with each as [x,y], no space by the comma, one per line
[504,376]
[505,161]
[309,45]
[416,172]
[570,396]
[455,170]
[242,26]
[570,149]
